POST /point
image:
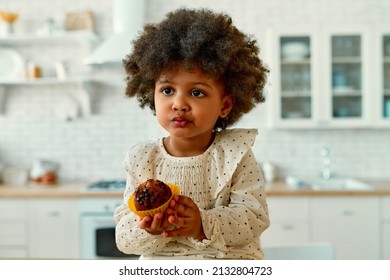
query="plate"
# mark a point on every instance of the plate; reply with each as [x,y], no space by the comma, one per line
[12,64]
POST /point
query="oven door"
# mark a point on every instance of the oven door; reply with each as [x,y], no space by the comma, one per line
[98,238]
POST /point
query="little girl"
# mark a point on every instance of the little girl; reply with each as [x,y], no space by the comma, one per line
[199,75]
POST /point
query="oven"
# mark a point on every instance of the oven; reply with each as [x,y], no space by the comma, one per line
[97,238]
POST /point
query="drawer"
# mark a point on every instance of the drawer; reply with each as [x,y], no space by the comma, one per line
[288,232]
[282,208]
[13,233]
[11,209]
[10,252]
[386,208]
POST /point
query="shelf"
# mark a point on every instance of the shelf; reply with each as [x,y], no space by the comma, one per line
[88,38]
[303,61]
[347,92]
[296,93]
[346,59]
[83,98]
[45,81]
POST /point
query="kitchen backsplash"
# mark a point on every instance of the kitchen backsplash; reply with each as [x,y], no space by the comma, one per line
[93,148]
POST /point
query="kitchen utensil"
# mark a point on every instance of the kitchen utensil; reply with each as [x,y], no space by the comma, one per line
[269,171]
[41,167]
[16,176]
[12,64]
[295,50]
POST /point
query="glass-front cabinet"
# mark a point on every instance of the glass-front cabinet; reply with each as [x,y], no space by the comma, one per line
[320,78]
[293,83]
[385,82]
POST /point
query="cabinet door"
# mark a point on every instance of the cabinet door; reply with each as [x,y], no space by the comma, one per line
[350,224]
[289,222]
[347,83]
[294,82]
[385,236]
[13,230]
[54,228]
[382,76]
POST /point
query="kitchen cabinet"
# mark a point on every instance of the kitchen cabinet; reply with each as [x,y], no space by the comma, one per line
[382,78]
[53,228]
[385,228]
[13,230]
[289,221]
[351,224]
[87,39]
[322,77]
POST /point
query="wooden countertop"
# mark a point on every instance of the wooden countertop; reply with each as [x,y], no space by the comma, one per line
[280,188]
[76,190]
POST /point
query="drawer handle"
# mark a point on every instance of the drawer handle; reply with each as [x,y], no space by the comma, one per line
[53,214]
[348,213]
[288,227]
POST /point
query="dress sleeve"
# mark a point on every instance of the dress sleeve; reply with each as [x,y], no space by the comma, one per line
[131,239]
[245,217]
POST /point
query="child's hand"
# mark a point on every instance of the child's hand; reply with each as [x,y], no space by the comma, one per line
[184,214]
[154,225]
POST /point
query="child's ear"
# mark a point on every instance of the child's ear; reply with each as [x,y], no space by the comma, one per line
[227,105]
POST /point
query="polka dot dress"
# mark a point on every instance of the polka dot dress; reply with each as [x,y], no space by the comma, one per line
[225,182]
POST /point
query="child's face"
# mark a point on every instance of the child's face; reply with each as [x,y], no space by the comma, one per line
[188,103]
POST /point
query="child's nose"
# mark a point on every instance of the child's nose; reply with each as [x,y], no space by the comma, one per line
[180,104]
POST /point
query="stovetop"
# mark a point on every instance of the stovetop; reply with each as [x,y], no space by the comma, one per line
[107,186]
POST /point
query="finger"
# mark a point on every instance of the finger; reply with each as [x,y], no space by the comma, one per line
[183,204]
[156,222]
[177,222]
[145,222]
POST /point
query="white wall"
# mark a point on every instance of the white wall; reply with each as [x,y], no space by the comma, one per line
[93,148]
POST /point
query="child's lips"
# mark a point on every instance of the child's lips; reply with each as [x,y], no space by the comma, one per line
[180,121]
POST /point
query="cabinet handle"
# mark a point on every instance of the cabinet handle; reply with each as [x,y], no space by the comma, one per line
[54,214]
[288,227]
[348,213]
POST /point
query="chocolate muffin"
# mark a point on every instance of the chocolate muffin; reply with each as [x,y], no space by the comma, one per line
[151,194]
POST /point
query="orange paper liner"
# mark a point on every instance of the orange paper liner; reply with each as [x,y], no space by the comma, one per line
[175,191]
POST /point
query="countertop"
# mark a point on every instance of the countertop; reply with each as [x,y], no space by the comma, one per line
[77,190]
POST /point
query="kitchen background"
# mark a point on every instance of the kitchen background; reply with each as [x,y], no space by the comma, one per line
[92,148]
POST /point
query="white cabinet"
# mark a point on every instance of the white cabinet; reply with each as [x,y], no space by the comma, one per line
[325,76]
[53,228]
[289,221]
[385,228]
[351,224]
[382,76]
[13,230]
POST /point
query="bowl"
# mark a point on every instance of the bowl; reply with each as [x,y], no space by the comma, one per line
[295,50]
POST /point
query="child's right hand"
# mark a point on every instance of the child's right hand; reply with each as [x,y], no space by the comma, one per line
[154,225]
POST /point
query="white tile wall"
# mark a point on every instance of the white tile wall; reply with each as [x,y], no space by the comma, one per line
[93,148]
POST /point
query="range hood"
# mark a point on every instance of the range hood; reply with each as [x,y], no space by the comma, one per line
[128,21]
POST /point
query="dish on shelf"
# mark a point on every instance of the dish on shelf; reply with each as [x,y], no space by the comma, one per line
[295,51]
[12,64]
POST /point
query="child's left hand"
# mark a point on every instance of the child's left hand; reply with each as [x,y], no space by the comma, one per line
[184,214]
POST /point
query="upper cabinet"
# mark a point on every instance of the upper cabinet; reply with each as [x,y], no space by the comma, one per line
[327,77]
[382,40]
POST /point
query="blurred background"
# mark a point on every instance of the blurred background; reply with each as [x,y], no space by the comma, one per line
[64,116]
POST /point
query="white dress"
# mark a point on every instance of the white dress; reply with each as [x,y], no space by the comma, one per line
[225,182]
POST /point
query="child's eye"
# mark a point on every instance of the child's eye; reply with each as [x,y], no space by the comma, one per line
[197,93]
[167,91]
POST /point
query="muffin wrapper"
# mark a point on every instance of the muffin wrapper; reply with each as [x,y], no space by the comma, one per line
[175,191]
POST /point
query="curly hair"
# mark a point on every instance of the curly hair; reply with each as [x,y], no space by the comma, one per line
[198,38]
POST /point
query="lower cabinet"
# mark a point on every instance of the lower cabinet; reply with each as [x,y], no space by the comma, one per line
[351,224]
[289,221]
[354,225]
[13,229]
[385,228]
[53,228]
